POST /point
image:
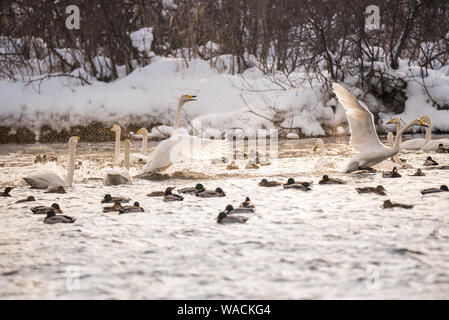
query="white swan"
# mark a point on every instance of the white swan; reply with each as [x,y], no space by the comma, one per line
[118,176]
[181,146]
[390,139]
[363,133]
[134,157]
[51,179]
[425,144]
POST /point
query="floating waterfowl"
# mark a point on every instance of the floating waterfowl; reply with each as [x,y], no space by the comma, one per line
[418,173]
[319,147]
[29,199]
[53,218]
[442,149]
[393,174]
[169,196]
[118,176]
[327,180]
[198,188]
[49,178]
[269,184]
[44,159]
[134,208]
[223,218]
[232,166]
[252,165]
[44,210]
[378,190]
[116,207]
[443,188]
[363,133]
[160,193]
[291,184]
[430,162]
[247,204]
[6,192]
[211,194]
[231,210]
[110,199]
[59,189]
[388,204]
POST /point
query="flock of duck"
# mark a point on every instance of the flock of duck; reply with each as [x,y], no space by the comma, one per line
[364,139]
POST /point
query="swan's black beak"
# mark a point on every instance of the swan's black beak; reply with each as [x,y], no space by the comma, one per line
[390,122]
[192,98]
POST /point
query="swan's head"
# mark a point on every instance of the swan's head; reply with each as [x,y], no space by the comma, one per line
[426,119]
[186,98]
[229,208]
[74,140]
[394,120]
[419,122]
[142,131]
[116,128]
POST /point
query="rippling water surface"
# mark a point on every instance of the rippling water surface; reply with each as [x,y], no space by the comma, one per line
[327,243]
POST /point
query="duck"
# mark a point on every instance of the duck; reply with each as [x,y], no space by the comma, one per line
[231,210]
[198,188]
[44,210]
[327,180]
[116,207]
[160,193]
[44,159]
[28,199]
[59,189]
[442,149]
[53,218]
[418,173]
[269,184]
[380,190]
[247,204]
[388,204]
[169,196]
[252,165]
[6,192]
[211,194]
[430,162]
[110,199]
[134,208]
[393,174]
[232,166]
[443,188]
[291,184]
[224,218]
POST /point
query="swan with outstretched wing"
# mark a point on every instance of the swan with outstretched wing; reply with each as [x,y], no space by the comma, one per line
[364,137]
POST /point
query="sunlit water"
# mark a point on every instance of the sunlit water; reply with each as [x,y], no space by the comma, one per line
[330,242]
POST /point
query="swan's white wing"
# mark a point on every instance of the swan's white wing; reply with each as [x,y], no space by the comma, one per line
[413,144]
[117,176]
[44,180]
[183,147]
[361,121]
[433,144]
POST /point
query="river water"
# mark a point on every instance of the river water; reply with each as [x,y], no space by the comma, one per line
[330,242]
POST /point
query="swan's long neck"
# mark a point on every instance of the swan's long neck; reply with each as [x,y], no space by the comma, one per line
[178,115]
[390,138]
[117,144]
[70,165]
[398,138]
[144,141]
[429,131]
[398,128]
[127,151]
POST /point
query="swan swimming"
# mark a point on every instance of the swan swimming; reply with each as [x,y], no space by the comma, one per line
[117,176]
[51,179]
[424,144]
[181,146]
[133,157]
[364,137]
